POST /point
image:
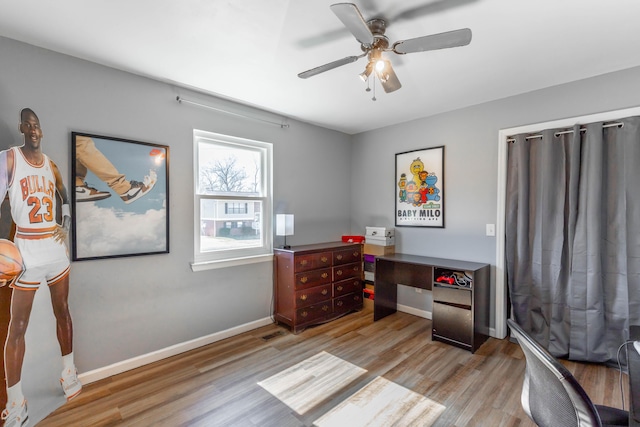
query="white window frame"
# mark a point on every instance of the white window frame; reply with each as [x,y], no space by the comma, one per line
[242,256]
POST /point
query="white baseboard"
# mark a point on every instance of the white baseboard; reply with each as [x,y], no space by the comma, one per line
[136,362]
[414,311]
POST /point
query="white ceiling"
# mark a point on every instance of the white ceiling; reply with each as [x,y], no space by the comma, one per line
[252,50]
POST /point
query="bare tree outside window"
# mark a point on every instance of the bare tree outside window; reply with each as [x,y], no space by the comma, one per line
[223,175]
[256,175]
[229,170]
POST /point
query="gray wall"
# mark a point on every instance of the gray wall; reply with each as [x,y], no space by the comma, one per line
[470,137]
[128,307]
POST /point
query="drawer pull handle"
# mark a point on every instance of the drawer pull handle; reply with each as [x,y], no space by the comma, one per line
[304,279]
[339,257]
[304,314]
[356,268]
[303,297]
[355,254]
[339,287]
[303,262]
[356,298]
[339,272]
[339,303]
[325,275]
[325,308]
[324,259]
[324,292]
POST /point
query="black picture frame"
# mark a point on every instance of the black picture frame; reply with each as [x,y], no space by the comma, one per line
[419,188]
[105,222]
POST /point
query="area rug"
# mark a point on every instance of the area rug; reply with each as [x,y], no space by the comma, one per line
[383,403]
[380,403]
[305,385]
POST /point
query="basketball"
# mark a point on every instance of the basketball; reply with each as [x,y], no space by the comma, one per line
[11,264]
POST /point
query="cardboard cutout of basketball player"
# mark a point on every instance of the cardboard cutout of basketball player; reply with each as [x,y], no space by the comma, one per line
[34,184]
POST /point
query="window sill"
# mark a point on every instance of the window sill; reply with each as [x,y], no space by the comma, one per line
[210,265]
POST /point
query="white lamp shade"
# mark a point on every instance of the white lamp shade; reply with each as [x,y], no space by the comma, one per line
[284,225]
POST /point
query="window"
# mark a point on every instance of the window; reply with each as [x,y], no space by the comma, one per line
[232,200]
[235,208]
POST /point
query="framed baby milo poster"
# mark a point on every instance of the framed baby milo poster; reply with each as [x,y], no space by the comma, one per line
[419,188]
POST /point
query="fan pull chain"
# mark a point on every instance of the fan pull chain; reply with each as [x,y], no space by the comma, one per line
[374,86]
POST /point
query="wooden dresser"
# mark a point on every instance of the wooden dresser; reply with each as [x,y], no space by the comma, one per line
[316,283]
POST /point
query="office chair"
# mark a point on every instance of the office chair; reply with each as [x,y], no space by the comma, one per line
[552,397]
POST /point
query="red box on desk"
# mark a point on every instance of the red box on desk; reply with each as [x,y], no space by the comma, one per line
[353,239]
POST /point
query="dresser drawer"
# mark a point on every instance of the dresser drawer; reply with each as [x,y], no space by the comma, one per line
[347,256]
[312,261]
[343,272]
[347,303]
[312,278]
[313,295]
[348,286]
[313,313]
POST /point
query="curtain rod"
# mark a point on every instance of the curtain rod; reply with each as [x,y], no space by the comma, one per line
[564,132]
[181,100]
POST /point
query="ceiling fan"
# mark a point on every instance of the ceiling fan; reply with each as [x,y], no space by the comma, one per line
[373,42]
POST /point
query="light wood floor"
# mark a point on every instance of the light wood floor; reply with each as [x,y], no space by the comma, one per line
[217,385]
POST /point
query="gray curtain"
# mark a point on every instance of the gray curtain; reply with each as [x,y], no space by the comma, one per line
[573,237]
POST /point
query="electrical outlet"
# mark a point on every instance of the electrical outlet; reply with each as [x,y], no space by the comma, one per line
[491,229]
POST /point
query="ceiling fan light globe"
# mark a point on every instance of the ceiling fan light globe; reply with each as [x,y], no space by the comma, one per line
[380,65]
[364,76]
[367,72]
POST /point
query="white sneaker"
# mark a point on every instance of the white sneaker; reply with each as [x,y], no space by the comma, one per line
[139,189]
[15,415]
[70,383]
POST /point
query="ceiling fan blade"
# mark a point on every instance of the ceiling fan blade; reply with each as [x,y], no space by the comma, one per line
[435,41]
[351,17]
[388,78]
[329,66]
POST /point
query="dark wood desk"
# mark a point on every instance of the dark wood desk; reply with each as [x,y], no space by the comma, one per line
[633,364]
[460,314]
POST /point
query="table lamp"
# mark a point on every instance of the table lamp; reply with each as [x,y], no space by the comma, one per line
[284,227]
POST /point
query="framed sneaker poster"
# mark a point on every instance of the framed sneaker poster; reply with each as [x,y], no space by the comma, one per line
[419,187]
[120,197]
